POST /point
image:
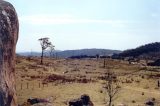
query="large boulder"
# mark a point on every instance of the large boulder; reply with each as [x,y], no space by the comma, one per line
[84,100]
[9,28]
[149,103]
[76,102]
[33,101]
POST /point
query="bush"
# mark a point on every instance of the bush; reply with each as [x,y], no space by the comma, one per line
[133,101]
[153,99]
[142,76]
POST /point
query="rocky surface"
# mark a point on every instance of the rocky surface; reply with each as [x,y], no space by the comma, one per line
[84,100]
[8,38]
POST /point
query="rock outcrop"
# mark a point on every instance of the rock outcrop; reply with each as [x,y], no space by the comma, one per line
[33,101]
[9,28]
[84,100]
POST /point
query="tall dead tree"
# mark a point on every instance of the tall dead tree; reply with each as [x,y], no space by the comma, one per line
[9,28]
[51,50]
[111,86]
[45,43]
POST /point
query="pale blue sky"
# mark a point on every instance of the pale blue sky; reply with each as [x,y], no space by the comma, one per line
[77,24]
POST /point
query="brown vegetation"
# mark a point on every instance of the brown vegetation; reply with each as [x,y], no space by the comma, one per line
[66,79]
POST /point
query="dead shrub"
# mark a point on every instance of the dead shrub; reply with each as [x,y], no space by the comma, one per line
[133,101]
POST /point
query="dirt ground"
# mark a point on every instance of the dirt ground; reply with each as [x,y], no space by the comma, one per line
[61,80]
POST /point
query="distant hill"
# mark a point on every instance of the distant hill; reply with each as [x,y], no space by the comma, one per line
[29,53]
[88,52]
[150,51]
[69,53]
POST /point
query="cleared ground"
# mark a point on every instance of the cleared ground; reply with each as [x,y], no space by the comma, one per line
[61,80]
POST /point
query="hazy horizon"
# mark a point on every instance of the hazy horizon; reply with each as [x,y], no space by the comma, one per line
[64,50]
[106,24]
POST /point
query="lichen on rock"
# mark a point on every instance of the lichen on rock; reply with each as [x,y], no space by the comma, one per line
[9,28]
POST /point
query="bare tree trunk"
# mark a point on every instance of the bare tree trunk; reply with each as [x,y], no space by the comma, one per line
[42,57]
[8,38]
[110,101]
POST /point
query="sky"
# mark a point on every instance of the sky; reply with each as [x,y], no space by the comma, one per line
[78,24]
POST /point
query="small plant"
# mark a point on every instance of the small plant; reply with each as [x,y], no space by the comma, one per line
[138,81]
[133,101]
[132,79]
[153,99]
[101,91]
[156,88]
[29,58]
[128,81]
[142,76]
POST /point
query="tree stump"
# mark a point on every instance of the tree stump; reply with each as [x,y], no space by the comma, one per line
[9,28]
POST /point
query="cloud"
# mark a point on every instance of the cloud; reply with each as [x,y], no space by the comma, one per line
[67,19]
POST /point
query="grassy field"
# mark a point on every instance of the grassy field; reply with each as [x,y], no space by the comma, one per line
[74,77]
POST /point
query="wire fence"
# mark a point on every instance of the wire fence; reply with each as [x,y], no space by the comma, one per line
[32,86]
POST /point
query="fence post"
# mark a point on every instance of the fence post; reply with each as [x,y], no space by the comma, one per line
[43,85]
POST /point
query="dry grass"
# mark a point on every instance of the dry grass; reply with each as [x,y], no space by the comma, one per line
[137,83]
